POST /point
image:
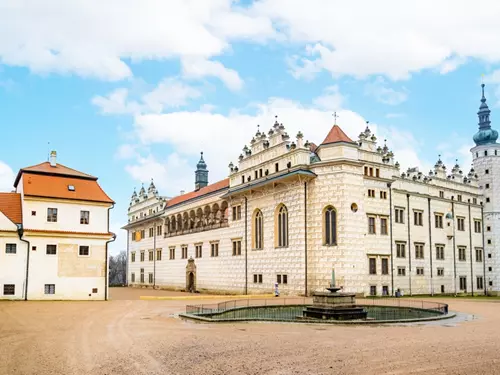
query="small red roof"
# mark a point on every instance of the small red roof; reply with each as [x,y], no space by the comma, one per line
[336,135]
[10,206]
[49,186]
[312,147]
[58,169]
[224,184]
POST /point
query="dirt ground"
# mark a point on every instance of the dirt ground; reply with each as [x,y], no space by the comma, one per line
[131,336]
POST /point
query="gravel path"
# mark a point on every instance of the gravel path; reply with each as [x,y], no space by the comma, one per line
[130,336]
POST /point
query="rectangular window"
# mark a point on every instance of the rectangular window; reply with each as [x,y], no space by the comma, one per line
[401,271]
[143,233]
[132,256]
[84,217]
[377,172]
[383,226]
[132,277]
[383,195]
[420,271]
[463,283]
[371,171]
[256,174]
[385,290]
[236,247]
[441,194]
[10,248]
[474,200]
[151,256]
[385,266]
[440,252]
[184,250]
[158,254]
[171,253]
[459,198]
[9,289]
[419,251]
[142,276]
[399,215]
[52,215]
[142,255]
[214,249]
[366,171]
[440,271]
[242,179]
[479,282]
[51,250]
[479,255]
[282,279]
[438,220]
[237,212]
[373,290]
[257,278]
[151,232]
[150,278]
[401,250]
[84,251]
[371,193]
[461,253]
[417,218]
[276,167]
[198,251]
[373,266]
[50,289]
[159,230]
[461,223]
[371,225]
[260,172]
[477,226]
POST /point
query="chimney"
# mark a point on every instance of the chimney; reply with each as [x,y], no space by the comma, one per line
[53,157]
[182,192]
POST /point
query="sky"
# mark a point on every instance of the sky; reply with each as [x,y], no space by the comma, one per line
[129,90]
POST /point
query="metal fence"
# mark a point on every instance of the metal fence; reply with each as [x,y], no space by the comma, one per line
[290,301]
[238,303]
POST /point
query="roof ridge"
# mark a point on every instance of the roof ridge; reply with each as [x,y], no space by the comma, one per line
[336,134]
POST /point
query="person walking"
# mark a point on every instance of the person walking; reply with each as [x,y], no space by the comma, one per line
[276,290]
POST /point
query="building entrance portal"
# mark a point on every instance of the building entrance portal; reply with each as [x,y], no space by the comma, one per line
[191,276]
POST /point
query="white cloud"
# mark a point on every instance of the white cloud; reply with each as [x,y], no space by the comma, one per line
[331,99]
[169,93]
[393,38]
[6,177]
[384,94]
[93,38]
[199,68]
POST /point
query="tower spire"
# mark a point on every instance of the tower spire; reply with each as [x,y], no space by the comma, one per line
[201,173]
[485,135]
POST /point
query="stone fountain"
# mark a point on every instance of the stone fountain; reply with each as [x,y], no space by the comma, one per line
[333,305]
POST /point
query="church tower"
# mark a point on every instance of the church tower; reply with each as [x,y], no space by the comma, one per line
[486,161]
[201,174]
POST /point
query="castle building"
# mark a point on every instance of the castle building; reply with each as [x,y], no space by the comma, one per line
[54,235]
[291,211]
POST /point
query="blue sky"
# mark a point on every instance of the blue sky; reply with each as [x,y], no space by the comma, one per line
[136,94]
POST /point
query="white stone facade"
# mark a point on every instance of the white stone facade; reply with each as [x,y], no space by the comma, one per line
[437,217]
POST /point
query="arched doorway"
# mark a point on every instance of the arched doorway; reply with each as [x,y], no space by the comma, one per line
[191,276]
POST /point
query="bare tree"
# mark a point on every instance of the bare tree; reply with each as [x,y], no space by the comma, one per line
[118,269]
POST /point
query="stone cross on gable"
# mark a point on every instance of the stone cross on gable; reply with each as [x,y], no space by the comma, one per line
[335,116]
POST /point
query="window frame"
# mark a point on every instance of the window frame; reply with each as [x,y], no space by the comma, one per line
[11,248]
[47,249]
[49,289]
[80,251]
[8,287]
[372,266]
[84,217]
[52,215]
[329,226]
[257,230]
[282,226]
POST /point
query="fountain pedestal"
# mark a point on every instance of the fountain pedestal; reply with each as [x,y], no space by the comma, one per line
[334,305]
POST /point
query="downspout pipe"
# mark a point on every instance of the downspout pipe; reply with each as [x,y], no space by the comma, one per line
[305,238]
[106,273]
[390,233]
[471,266]
[484,251]
[409,239]
[20,233]
[454,249]
[246,245]
[154,254]
[430,245]
[128,258]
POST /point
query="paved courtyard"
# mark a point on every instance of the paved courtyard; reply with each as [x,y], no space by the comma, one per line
[131,336]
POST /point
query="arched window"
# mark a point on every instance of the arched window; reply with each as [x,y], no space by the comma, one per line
[282,227]
[330,226]
[258,230]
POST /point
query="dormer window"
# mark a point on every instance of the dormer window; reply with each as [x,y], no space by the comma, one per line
[71,187]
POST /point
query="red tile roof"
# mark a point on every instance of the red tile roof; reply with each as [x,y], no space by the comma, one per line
[59,169]
[10,206]
[224,184]
[312,147]
[49,186]
[336,135]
